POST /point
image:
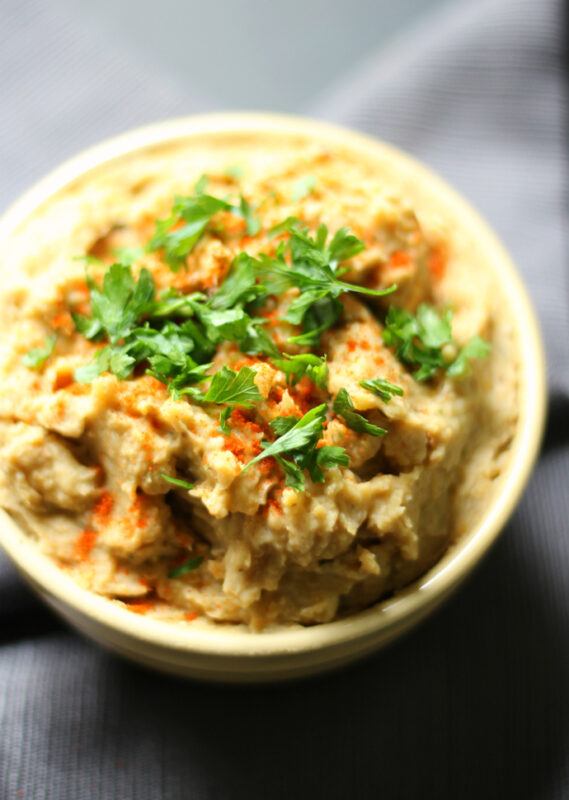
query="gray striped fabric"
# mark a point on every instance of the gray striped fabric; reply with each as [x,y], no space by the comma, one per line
[475,704]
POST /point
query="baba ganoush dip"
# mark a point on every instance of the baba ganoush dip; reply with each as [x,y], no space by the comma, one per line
[251,383]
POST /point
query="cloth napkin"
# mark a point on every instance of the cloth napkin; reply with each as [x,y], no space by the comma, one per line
[473,704]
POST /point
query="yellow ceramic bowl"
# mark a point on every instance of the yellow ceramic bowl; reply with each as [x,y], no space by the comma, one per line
[233,655]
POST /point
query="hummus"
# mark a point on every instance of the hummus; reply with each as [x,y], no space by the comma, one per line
[131,470]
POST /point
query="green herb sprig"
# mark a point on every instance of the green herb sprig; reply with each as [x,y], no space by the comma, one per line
[37,356]
[313,269]
[382,388]
[188,566]
[295,449]
[177,481]
[177,235]
[297,366]
[424,341]
[343,406]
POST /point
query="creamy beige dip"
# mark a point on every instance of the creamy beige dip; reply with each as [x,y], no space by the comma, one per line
[82,464]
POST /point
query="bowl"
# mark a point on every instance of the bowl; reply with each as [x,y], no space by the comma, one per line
[231,654]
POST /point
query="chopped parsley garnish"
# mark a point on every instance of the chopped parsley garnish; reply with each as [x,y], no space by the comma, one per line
[128,255]
[177,235]
[302,188]
[474,348]
[382,388]
[344,408]
[201,184]
[127,313]
[314,270]
[247,211]
[223,417]
[236,172]
[282,425]
[424,341]
[166,351]
[188,566]
[234,324]
[296,367]
[37,356]
[233,388]
[118,305]
[174,337]
[177,481]
[238,388]
[99,363]
[240,285]
[314,461]
[298,439]
[296,449]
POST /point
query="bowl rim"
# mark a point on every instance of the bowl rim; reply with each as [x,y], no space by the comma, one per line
[415,600]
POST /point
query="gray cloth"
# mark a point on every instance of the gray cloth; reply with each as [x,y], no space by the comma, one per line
[475,703]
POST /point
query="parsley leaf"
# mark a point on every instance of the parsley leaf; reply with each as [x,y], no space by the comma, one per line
[128,255]
[305,433]
[330,456]
[313,270]
[178,242]
[257,341]
[89,327]
[228,324]
[325,457]
[177,481]
[382,388]
[223,417]
[177,354]
[234,324]
[296,367]
[419,341]
[121,363]
[178,234]
[344,408]
[228,386]
[201,184]
[240,284]
[282,425]
[294,476]
[315,460]
[474,348]
[236,172]
[344,245]
[320,316]
[284,226]
[203,348]
[118,305]
[167,352]
[434,330]
[188,566]
[177,377]
[302,187]
[246,210]
[38,355]
[99,364]
[117,311]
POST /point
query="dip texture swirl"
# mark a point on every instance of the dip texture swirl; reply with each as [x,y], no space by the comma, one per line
[248,386]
